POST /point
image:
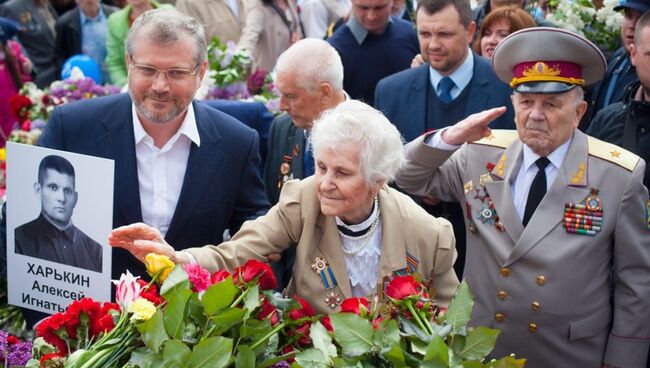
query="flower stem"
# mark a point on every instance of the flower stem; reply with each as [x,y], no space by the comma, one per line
[416,316]
[239,298]
[275,330]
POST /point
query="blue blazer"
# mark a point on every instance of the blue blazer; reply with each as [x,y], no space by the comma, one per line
[252,113]
[402,97]
[222,187]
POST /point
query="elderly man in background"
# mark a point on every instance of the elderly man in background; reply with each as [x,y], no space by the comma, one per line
[307,90]
[558,252]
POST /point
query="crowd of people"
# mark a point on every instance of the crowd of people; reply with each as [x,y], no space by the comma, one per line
[524,170]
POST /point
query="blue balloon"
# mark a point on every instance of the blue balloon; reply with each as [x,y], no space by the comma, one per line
[86,64]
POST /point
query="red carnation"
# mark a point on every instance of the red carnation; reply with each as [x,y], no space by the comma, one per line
[12,340]
[358,306]
[104,321]
[52,360]
[19,106]
[254,269]
[52,329]
[150,292]
[219,276]
[402,287]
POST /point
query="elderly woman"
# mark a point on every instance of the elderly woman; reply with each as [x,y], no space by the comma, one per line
[498,24]
[352,231]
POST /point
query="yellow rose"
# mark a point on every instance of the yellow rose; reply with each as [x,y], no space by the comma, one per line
[157,263]
[142,309]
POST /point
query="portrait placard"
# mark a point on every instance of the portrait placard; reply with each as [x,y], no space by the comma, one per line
[59,216]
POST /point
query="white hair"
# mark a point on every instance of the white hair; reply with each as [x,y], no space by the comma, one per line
[313,61]
[353,123]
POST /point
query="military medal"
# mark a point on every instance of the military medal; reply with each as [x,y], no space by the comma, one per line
[470,220]
[488,213]
[332,299]
[322,268]
[296,150]
[484,178]
[584,218]
[468,187]
[411,263]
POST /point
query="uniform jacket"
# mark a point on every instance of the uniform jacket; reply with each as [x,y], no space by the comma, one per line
[35,37]
[266,35]
[221,189]
[216,16]
[285,157]
[402,97]
[68,34]
[297,219]
[547,290]
[118,28]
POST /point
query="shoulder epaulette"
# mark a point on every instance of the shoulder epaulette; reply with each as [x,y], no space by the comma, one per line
[612,153]
[499,138]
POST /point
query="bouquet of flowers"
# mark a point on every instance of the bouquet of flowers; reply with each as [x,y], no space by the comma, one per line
[601,26]
[229,77]
[32,106]
[408,330]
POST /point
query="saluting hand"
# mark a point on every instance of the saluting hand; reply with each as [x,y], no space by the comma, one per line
[472,128]
[141,239]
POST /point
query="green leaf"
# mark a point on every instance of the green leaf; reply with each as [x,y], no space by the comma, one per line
[387,336]
[460,309]
[418,346]
[352,332]
[253,329]
[311,358]
[176,280]
[175,354]
[472,364]
[245,357]
[252,299]
[322,340]
[437,351]
[174,316]
[219,296]
[227,319]
[479,343]
[153,332]
[213,352]
[508,362]
[396,357]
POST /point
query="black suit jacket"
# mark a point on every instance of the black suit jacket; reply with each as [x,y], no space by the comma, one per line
[222,187]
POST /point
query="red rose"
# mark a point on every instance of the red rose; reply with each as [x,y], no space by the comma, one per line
[26,125]
[219,276]
[12,340]
[327,323]
[402,287]
[19,106]
[358,306]
[303,332]
[288,349]
[305,309]
[254,269]
[268,311]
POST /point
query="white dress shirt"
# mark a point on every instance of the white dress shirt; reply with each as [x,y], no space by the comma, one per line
[461,76]
[161,171]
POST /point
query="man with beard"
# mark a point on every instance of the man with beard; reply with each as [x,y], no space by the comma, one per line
[186,169]
[558,252]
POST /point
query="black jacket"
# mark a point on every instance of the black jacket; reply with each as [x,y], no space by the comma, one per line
[626,124]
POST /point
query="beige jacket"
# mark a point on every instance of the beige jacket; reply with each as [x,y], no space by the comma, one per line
[297,219]
[266,35]
[216,16]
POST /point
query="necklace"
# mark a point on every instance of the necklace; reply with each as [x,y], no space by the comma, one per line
[365,238]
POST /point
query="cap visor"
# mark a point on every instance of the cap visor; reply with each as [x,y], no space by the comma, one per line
[544,87]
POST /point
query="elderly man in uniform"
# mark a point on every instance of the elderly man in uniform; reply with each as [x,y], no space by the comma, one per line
[558,249]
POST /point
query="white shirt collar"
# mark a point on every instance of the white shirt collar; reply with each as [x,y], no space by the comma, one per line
[556,157]
[461,76]
[188,128]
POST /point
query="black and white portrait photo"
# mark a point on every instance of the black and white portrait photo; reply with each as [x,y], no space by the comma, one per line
[52,235]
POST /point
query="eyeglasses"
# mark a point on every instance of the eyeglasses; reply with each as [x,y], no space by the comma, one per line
[172,74]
